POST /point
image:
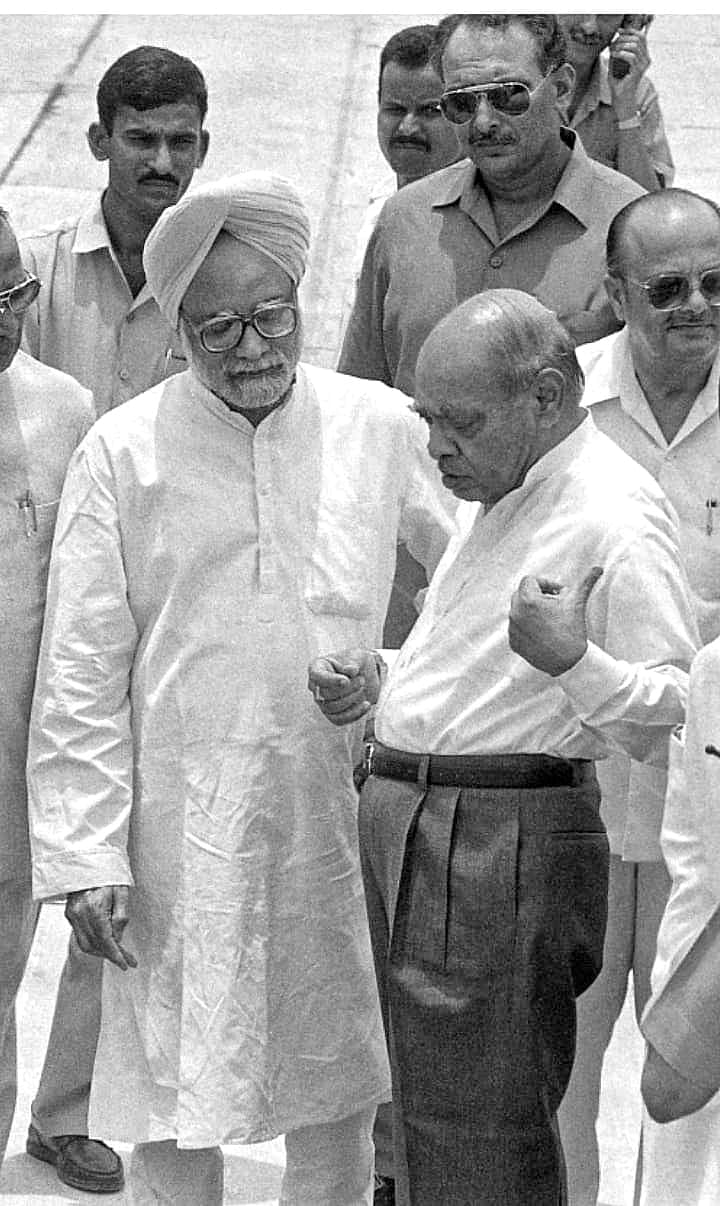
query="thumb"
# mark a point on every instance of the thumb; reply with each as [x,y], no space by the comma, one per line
[585,588]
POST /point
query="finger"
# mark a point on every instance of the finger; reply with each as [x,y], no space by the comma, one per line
[587,585]
[323,676]
[528,589]
[349,715]
[336,706]
[345,691]
[120,918]
[103,942]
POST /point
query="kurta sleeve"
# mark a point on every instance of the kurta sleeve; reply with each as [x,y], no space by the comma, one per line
[363,352]
[80,757]
[631,685]
[427,516]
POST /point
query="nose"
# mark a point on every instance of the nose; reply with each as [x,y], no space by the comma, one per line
[696,302]
[162,159]
[438,443]
[251,346]
[409,125]
[485,118]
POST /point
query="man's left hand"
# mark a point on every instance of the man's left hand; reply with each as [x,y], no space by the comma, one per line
[547,622]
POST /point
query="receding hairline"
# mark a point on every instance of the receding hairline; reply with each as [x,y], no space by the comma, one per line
[662,204]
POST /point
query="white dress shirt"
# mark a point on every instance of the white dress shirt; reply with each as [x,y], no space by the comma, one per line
[200,564]
[688,470]
[458,688]
[86,321]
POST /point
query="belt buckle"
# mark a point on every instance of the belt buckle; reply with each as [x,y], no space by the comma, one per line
[368,755]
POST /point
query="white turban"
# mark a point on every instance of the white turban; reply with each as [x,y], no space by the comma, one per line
[257,208]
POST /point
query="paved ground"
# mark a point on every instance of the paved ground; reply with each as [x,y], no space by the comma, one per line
[293,94]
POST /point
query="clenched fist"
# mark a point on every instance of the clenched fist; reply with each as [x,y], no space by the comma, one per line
[547,622]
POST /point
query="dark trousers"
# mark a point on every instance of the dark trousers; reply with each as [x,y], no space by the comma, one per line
[487,910]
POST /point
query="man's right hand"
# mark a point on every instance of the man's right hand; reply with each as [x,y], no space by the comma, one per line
[345,685]
[98,917]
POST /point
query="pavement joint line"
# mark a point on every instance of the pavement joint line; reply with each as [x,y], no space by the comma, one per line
[53,95]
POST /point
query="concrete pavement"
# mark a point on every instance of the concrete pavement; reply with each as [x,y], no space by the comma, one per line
[295,95]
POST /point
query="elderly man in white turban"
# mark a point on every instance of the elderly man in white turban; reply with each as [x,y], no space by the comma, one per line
[216,533]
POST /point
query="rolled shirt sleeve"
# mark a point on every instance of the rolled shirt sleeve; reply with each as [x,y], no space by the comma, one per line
[80,759]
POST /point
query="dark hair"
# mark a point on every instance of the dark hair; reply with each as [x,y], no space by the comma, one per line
[658,204]
[411,47]
[547,33]
[147,77]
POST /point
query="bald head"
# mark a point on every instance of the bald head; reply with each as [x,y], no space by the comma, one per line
[502,338]
[499,384]
[672,214]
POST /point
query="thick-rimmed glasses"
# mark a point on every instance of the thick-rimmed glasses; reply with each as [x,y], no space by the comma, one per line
[670,290]
[511,99]
[272,320]
[20,297]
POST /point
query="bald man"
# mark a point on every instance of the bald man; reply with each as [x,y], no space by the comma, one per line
[216,533]
[483,851]
[653,388]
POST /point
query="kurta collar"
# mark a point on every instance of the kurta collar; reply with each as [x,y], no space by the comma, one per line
[462,184]
[614,379]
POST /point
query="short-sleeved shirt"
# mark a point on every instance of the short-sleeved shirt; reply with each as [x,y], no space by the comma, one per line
[436,244]
[86,322]
[594,122]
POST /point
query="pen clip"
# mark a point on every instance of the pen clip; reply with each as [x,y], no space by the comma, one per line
[27,506]
[710,505]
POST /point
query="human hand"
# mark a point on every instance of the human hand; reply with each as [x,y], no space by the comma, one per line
[98,917]
[345,685]
[628,48]
[547,623]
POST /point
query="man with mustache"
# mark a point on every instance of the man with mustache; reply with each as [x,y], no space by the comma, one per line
[216,532]
[530,211]
[96,319]
[614,107]
[653,388]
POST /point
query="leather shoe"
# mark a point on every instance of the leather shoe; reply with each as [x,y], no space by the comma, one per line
[384,1191]
[80,1162]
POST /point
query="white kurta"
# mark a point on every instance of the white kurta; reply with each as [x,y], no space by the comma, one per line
[198,566]
[681,1160]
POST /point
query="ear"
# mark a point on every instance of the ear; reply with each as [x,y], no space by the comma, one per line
[204,144]
[616,296]
[564,81]
[550,393]
[98,141]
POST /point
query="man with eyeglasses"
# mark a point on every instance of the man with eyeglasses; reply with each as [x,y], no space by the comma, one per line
[96,318]
[653,388]
[214,534]
[530,211]
[43,416]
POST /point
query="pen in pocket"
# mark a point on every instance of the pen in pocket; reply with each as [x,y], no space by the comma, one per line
[27,506]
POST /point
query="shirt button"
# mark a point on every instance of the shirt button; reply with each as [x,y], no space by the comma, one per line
[124,375]
[496,261]
[130,317]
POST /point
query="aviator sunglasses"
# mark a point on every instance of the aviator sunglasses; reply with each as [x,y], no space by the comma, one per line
[670,290]
[272,320]
[460,105]
[17,299]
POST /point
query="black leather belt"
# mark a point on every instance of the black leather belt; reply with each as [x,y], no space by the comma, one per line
[477,770]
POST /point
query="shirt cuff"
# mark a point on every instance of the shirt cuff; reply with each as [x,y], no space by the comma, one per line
[59,874]
[593,680]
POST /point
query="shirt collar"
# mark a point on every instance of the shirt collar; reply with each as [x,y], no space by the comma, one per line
[614,379]
[92,233]
[462,183]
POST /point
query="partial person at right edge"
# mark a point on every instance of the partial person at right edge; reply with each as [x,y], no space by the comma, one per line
[614,108]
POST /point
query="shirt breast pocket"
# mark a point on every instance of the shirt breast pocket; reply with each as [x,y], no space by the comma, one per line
[345,560]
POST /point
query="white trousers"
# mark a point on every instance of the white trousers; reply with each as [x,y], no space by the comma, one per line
[18,917]
[330,1164]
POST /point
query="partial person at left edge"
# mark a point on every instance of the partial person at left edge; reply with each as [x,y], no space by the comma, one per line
[44,414]
[95,317]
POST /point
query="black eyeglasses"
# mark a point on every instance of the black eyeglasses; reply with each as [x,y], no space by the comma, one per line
[20,297]
[224,332]
[513,99]
[670,290]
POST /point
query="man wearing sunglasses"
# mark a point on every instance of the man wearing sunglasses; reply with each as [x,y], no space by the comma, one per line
[96,318]
[43,416]
[652,387]
[215,533]
[530,211]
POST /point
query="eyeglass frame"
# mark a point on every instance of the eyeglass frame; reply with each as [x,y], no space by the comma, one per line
[247,320]
[6,294]
[481,90]
[686,277]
